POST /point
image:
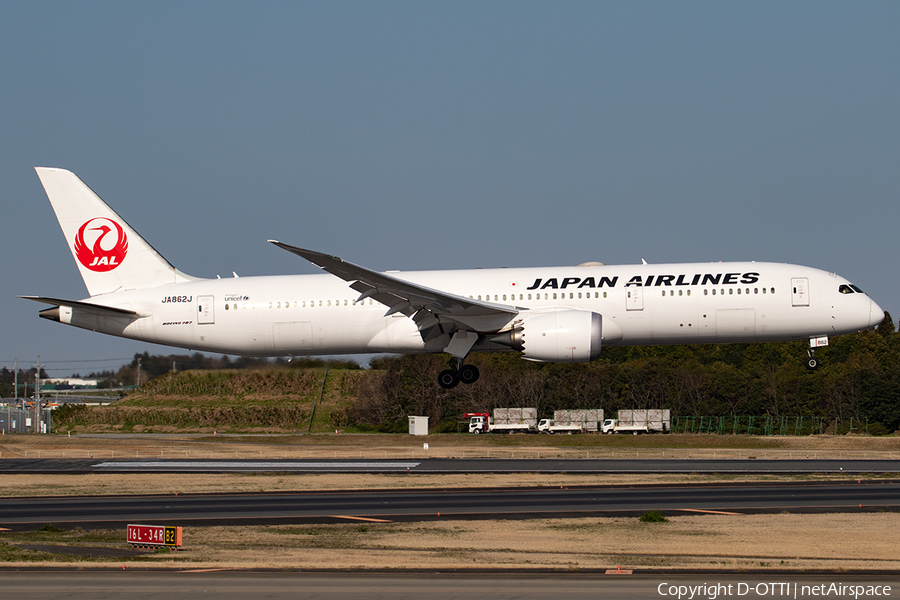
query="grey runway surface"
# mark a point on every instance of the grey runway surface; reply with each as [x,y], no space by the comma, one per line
[450,465]
[239,585]
[430,504]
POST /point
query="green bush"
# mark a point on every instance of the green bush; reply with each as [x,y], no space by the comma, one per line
[653,516]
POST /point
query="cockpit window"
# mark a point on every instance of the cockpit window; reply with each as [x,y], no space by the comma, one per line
[856,288]
[845,289]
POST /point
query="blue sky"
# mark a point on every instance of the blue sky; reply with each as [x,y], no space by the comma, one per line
[414,135]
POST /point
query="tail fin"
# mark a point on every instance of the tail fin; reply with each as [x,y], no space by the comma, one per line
[110,255]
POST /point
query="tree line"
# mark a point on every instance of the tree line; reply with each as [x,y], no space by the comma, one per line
[858,378]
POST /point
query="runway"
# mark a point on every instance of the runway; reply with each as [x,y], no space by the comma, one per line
[92,584]
[420,505]
[451,465]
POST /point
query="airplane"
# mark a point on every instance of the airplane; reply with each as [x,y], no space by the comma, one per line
[546,314]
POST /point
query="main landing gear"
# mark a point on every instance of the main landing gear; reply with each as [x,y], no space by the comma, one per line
[450,378]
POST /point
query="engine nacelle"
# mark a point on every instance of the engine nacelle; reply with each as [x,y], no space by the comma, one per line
[559,336]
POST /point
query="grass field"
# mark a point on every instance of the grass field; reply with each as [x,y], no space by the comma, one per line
[838,542]
[177,417]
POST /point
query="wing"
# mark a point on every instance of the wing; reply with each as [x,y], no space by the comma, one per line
[434,312]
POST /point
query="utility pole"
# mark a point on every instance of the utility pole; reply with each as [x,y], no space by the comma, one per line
[16,380]
[139,373]
[37,397]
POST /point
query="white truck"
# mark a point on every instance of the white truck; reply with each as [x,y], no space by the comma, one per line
[638,421]
[550,426]
[483,423]
[613,426]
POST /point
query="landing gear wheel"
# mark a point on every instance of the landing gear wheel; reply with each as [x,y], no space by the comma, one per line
[448,379]
[812,363]
[469,374]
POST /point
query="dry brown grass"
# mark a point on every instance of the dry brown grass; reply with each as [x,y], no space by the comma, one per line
[208,483]
[835,541]
[831,541]
[184,445]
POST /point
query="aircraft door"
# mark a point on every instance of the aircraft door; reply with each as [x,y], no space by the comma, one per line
[800,291]
[634,298]
[206,310]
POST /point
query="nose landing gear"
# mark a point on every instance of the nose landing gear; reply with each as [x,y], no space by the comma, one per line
[812,363]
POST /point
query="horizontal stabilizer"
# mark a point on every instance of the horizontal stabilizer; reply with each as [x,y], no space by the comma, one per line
[87,306]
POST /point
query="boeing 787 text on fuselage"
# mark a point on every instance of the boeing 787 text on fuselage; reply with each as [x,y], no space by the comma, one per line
[547,314]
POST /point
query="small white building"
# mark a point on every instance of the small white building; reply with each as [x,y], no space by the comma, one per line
[418,425]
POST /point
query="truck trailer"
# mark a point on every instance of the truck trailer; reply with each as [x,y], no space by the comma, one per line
[551,426]
[638,421]
[484,423]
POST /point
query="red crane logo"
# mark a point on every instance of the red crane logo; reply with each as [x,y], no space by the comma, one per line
[101,252]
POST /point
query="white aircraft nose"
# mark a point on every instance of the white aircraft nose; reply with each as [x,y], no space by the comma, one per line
[876,315]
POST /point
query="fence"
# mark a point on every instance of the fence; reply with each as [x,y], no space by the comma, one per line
[19,420]
[750,425]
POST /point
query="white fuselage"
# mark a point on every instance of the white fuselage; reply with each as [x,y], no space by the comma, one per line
[300,315]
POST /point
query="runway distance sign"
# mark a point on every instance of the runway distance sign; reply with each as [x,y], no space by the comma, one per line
[154,535]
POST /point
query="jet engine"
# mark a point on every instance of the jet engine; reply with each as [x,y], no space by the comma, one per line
[557,336]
